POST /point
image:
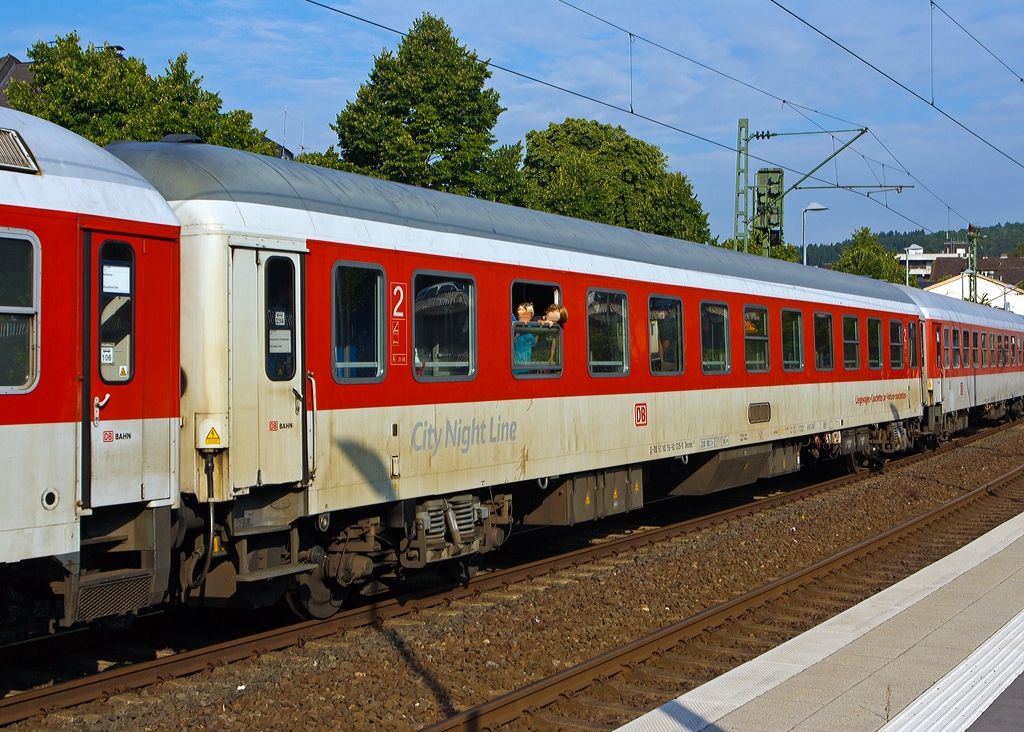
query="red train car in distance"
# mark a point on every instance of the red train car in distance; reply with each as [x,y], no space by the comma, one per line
[88,370]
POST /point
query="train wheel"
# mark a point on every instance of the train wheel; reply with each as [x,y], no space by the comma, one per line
[310,598]
[462,569]
[855,463]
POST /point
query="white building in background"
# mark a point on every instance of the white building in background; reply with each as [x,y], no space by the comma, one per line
[990,292]
[922,262]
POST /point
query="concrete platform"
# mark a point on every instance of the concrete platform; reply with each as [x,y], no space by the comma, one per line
[931,652]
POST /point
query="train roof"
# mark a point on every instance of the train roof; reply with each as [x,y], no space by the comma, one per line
[941,307]
[66,172]
[197,172]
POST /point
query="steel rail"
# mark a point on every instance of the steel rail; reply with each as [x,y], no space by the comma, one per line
[35,702]
[510,706]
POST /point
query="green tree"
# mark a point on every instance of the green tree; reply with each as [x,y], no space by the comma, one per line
[865,256]
[425,118]
[103,97]
[588,170]
[786,252]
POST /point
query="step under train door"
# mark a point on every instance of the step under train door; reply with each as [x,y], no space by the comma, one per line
[267,369]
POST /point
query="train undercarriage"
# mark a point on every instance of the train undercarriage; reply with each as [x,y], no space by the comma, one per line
[264,546]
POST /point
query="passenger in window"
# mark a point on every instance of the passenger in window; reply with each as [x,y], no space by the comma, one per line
[555,315]
[522,349]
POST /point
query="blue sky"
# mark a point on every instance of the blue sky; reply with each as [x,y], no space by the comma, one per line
[267,57]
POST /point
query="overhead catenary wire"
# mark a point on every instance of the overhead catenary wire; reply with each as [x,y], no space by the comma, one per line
[1017,76]
[901,85]
[638,115]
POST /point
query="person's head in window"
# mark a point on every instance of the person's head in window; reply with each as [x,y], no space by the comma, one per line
[525,312]
[556,315]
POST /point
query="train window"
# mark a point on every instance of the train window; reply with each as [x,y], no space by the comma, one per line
[116,311]
[999,348]
[536,348]
[912,343]
[984,349]
[1013,350]
[895,344]
[965,344]
[792,340]
[755,338]
[19,293]
[358,323]
[991,349]
[443,327]
[938,346]
[607,333]
[824,344]
[874,343]
[665,323]
[974,349]
[851,342]
[714,338]
[956,348]
[280,318]
[945,348]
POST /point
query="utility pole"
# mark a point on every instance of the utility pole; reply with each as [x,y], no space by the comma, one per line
[741,218]
[972,263]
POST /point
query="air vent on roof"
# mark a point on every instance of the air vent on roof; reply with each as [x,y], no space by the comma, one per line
[14,153]
[181,137]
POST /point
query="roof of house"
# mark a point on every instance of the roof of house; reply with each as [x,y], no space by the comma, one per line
[11,69]
[1009,270]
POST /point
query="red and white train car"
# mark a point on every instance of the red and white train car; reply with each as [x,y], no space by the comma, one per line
[88,369]
[351,344]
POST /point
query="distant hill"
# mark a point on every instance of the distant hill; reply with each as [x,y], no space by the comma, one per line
[993,241]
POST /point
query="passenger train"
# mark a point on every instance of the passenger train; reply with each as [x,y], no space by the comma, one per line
[227,378]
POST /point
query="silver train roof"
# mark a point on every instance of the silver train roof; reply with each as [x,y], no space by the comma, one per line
[195,172]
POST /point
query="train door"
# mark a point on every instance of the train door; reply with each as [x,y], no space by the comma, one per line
[922,336]
[267,368]
[129,355]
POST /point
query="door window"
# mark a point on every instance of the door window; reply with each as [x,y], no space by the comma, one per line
[280,318]
[912,342]
[116,312]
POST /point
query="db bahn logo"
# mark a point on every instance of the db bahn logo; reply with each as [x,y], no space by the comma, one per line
[273,426]
[108,435]
[640,414]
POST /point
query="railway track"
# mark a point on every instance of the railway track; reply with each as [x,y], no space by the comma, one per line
[617,686]
[138,672]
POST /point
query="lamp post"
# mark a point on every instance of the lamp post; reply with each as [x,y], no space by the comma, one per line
[906,255]
[967,272]
[810,207]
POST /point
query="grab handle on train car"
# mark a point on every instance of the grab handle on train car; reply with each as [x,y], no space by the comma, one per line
[312,447]
[97,405]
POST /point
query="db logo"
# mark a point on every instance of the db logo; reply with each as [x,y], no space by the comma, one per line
[108,435]
[640,413]
[273,426]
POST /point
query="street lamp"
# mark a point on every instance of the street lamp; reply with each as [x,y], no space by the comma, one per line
[967,272]
[810,207]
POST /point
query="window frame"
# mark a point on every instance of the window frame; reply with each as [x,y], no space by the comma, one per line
[913,347]
[682,334]
[473,342]
[901,343]
[855,343]
[974,349]
[625,335]
[831,341]
[872,365]
[800,339]
[33,312]
[381,325]
[518,373]
[992,349]
[133,294]
[765,340]
[945,346]
[984,349]
[728,339]
[956,348]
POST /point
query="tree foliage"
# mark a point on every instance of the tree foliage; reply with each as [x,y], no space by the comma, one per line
[786,252]
[865,256]
[425,117]
[102,96]
[588,170]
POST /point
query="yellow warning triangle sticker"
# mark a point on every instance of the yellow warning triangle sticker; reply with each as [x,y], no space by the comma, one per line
[212,438]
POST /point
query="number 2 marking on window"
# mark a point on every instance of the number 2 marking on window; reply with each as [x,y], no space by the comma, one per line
[398,292]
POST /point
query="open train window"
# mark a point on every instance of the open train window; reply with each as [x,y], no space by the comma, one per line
[851,342]
[974,348]
[714,338]
[792,340]
[824,345]
[444,327]
[537,349]
[19,311]
[607,333]
[665,336]
[896,344]
[116,312]
[755,338]
[913,344]
[358,323]
[874,343]
[984,349]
